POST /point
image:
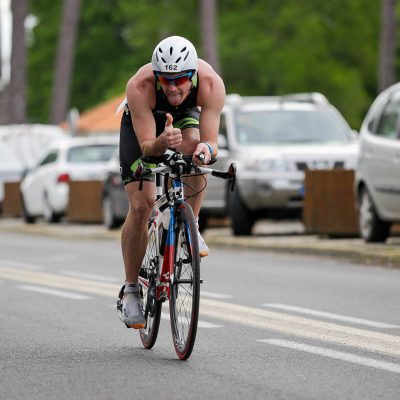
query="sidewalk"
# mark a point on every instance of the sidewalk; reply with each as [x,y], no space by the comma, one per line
[278,237]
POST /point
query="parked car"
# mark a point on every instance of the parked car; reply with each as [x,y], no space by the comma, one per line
[273,141]
[45,189]
[115,200]
[377,183]
[11,168]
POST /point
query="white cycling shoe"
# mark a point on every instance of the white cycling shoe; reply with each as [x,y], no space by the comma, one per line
[132,307]
[203,248]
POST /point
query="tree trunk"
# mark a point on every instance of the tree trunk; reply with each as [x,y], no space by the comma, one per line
[208,33]
[1,58]
[64,61]
[17,93]
[387,45]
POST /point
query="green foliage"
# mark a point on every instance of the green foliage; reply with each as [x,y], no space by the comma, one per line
[266,48]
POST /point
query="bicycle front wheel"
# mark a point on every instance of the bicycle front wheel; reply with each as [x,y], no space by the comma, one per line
[185,286]
[148,279]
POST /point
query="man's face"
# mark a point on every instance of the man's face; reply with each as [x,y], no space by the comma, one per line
[175,90]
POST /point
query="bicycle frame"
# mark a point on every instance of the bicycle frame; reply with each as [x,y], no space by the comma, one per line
[164,208]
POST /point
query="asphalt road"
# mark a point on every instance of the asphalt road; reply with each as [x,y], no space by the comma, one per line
[271,327]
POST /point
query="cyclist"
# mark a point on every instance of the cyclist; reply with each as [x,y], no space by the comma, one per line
[173,102]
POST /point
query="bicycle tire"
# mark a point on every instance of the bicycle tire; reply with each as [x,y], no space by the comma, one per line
[185,287]
[147,279]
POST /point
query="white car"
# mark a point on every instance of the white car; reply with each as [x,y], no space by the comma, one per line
[377,181]
[273,141]
[45,189]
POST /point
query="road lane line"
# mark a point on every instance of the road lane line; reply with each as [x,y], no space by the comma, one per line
[328,315]
[54,292]
[24,265]
[213,295]
[84,275]
[372,341]
[200,324]
[305,327]
[60,282]
[338,355]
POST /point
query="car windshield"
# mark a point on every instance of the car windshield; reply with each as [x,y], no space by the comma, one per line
[289,127]
[91,153]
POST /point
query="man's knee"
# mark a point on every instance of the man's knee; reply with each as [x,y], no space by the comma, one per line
[140,208]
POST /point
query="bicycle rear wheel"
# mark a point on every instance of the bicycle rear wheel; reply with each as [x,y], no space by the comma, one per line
[147,280]
[185,287]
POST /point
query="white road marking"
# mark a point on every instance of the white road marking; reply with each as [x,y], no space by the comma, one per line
[212,295]
[54,292]
[305,327]
[24,265]
[200,324]
[250,317]
[338,355]
[95,277]
[328,315]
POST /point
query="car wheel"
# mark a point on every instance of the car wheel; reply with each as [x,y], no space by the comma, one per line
[372,228]
[242,219]
[109,218]
[28,218]
[49,215]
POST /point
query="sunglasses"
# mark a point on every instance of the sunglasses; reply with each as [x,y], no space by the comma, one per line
[174,80]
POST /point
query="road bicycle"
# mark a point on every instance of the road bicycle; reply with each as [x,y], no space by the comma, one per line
[171,266]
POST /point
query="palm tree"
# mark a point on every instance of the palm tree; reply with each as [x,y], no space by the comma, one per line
[17,91]
[208,33]
[387,45]
[64,61]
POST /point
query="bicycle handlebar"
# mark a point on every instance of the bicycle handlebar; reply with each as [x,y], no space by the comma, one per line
[177,164]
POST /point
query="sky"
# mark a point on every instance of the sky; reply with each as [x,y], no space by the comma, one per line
[5,24]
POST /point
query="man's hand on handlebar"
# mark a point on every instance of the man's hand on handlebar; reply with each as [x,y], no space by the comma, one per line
[202,154]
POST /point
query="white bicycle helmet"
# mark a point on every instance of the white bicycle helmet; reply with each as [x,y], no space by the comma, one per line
[174,54]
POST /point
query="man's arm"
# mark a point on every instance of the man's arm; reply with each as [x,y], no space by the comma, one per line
[212,100]
[138,95]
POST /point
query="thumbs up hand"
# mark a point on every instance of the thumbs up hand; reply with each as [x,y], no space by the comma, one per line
[173,135]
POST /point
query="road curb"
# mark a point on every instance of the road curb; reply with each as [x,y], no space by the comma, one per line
[353,249]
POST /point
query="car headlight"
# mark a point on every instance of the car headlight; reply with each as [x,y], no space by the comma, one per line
[267,165]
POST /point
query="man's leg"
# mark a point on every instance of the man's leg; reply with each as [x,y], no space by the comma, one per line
[194,184]
[134,243]
[134,231]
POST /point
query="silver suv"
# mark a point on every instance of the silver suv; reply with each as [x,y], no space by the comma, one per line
[273,141]
[377,182]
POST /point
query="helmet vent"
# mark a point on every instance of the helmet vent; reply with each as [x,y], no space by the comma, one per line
[183,49]
[171,50]
[176,62]
[187,54]
[160,49]
[162,58]
[157,57]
